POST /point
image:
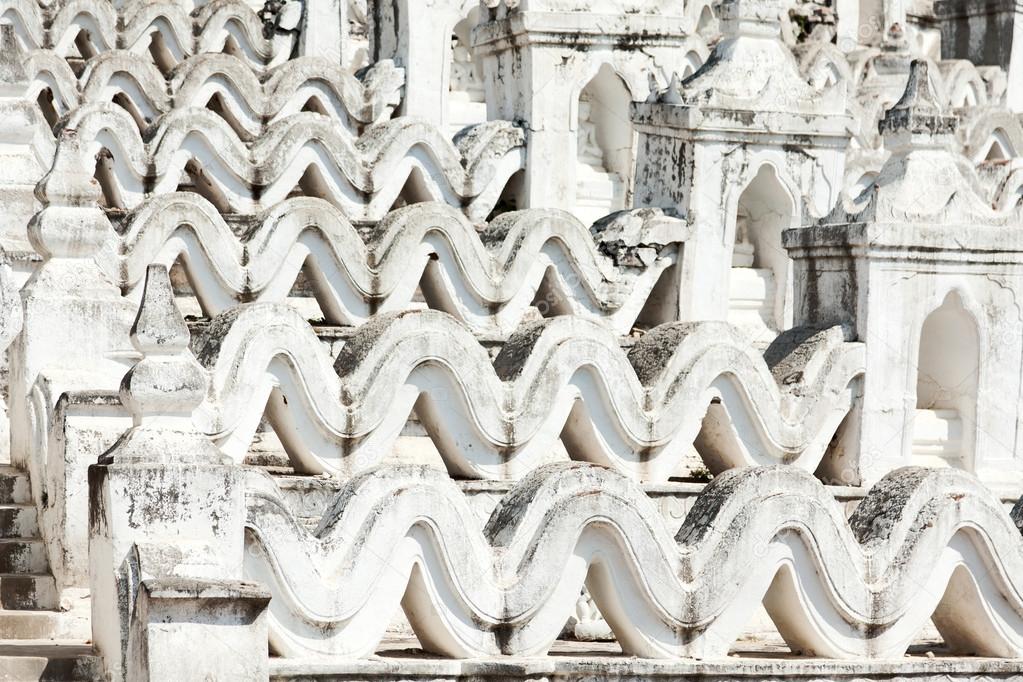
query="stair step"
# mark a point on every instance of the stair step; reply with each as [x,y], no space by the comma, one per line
[30,622]
[48,661]
[30,591]
[18,521]
[14,486]
[42,625]
[23,555]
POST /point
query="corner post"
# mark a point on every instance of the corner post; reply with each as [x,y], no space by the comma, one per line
[166,521]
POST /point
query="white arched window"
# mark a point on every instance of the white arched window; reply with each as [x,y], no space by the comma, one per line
[759,279]
[946,387]
[604,146]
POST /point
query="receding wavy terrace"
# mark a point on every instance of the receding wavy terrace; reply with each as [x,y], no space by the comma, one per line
[363,176]
[923,543]
[486,279]
[251,98]
[563,377]
[183,33]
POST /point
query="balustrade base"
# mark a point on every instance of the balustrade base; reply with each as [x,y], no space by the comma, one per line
[398,662]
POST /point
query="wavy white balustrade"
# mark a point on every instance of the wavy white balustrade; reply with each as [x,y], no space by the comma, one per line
[251,97]
[184,28]
[1009,192]
[977,93]
[362,176]
[486,279]
[564,377]
[989,134]
[923,543]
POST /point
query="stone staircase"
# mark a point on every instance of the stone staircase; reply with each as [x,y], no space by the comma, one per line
[38,641]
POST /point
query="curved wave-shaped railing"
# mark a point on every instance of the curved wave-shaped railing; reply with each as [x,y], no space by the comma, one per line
[963,84]
[251,98]
[564,377]
[1009,192]
[956,83]
[923,543]
[486,279]
[823,63]
[362,176]
[980,127]
[182,31]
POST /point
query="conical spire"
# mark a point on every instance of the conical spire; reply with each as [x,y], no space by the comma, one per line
[918,112]
[673,93]
[167,382]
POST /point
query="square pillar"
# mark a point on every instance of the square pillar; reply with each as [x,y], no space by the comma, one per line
[988,33]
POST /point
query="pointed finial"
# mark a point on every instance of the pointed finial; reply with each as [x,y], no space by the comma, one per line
[653,87]
[918,111]
[167,381]
[165,387]
[159,328]
[70,181]
[673,93]
[71,224]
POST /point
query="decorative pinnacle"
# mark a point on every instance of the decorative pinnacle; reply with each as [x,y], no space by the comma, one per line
[918,111]
[159,328]
[167,382]
[164,388]
[70,181]
[673,93]
[71,224]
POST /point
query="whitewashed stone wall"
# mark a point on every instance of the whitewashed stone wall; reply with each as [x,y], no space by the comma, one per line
[472,286]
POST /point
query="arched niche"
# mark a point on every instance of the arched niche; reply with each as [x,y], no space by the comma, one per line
[946,387]
[707,23]
[996,152]
[604,146]
[466,100]
[693,61]
[759,278]
[999,148]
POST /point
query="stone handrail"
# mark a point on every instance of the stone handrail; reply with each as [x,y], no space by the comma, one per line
[862,588]
[253,97]
[563,377]
[184,28]
[488,279]
[363,176]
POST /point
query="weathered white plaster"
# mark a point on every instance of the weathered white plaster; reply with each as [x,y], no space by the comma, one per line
[567,71]
[487,278]
[475,284]
[922,253]
[164,554]
[563,377]
[720,563]
[746,147]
